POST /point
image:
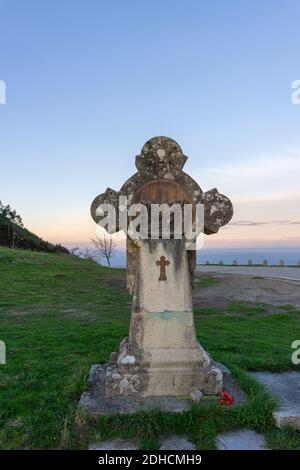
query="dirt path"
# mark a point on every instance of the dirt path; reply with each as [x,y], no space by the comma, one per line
[232,287]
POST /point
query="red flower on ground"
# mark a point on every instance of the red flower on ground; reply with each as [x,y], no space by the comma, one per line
[226,399]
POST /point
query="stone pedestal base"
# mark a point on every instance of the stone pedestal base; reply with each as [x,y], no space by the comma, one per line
[162,372]
[95,402]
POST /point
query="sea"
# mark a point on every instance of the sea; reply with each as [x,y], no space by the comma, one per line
[290,256]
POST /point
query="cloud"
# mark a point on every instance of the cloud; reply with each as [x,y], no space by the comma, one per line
[292,238]
[264,177]
[251,223]
[265,193]
[248,223]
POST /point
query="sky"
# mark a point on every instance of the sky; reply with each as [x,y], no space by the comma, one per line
[89,82]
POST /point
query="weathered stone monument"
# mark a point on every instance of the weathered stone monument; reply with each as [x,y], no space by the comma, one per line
[161,355]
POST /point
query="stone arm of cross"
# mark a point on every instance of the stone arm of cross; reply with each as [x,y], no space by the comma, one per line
[110,196]
[218,210]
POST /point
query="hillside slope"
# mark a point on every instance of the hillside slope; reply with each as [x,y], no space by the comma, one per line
[31,278]
[14,235]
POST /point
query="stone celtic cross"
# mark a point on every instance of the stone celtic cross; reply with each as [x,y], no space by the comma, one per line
[161,356]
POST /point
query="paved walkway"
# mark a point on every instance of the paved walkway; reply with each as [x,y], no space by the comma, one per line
[271,272]
[285,388]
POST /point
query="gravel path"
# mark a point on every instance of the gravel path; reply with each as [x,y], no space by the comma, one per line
[273,272]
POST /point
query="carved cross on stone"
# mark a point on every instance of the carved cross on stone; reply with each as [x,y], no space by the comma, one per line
[161,355]
[163,262]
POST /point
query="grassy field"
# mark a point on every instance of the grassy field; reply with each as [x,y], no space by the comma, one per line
[59,314]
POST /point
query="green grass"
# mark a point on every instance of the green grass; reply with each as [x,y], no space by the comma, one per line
[201,281]
[247,308]
[260,343]
[39,278]
[60,314]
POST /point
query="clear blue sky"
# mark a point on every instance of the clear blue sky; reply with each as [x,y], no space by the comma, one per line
[88,82]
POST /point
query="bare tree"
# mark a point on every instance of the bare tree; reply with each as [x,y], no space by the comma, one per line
[86,254]
[74,251]
[105,247]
